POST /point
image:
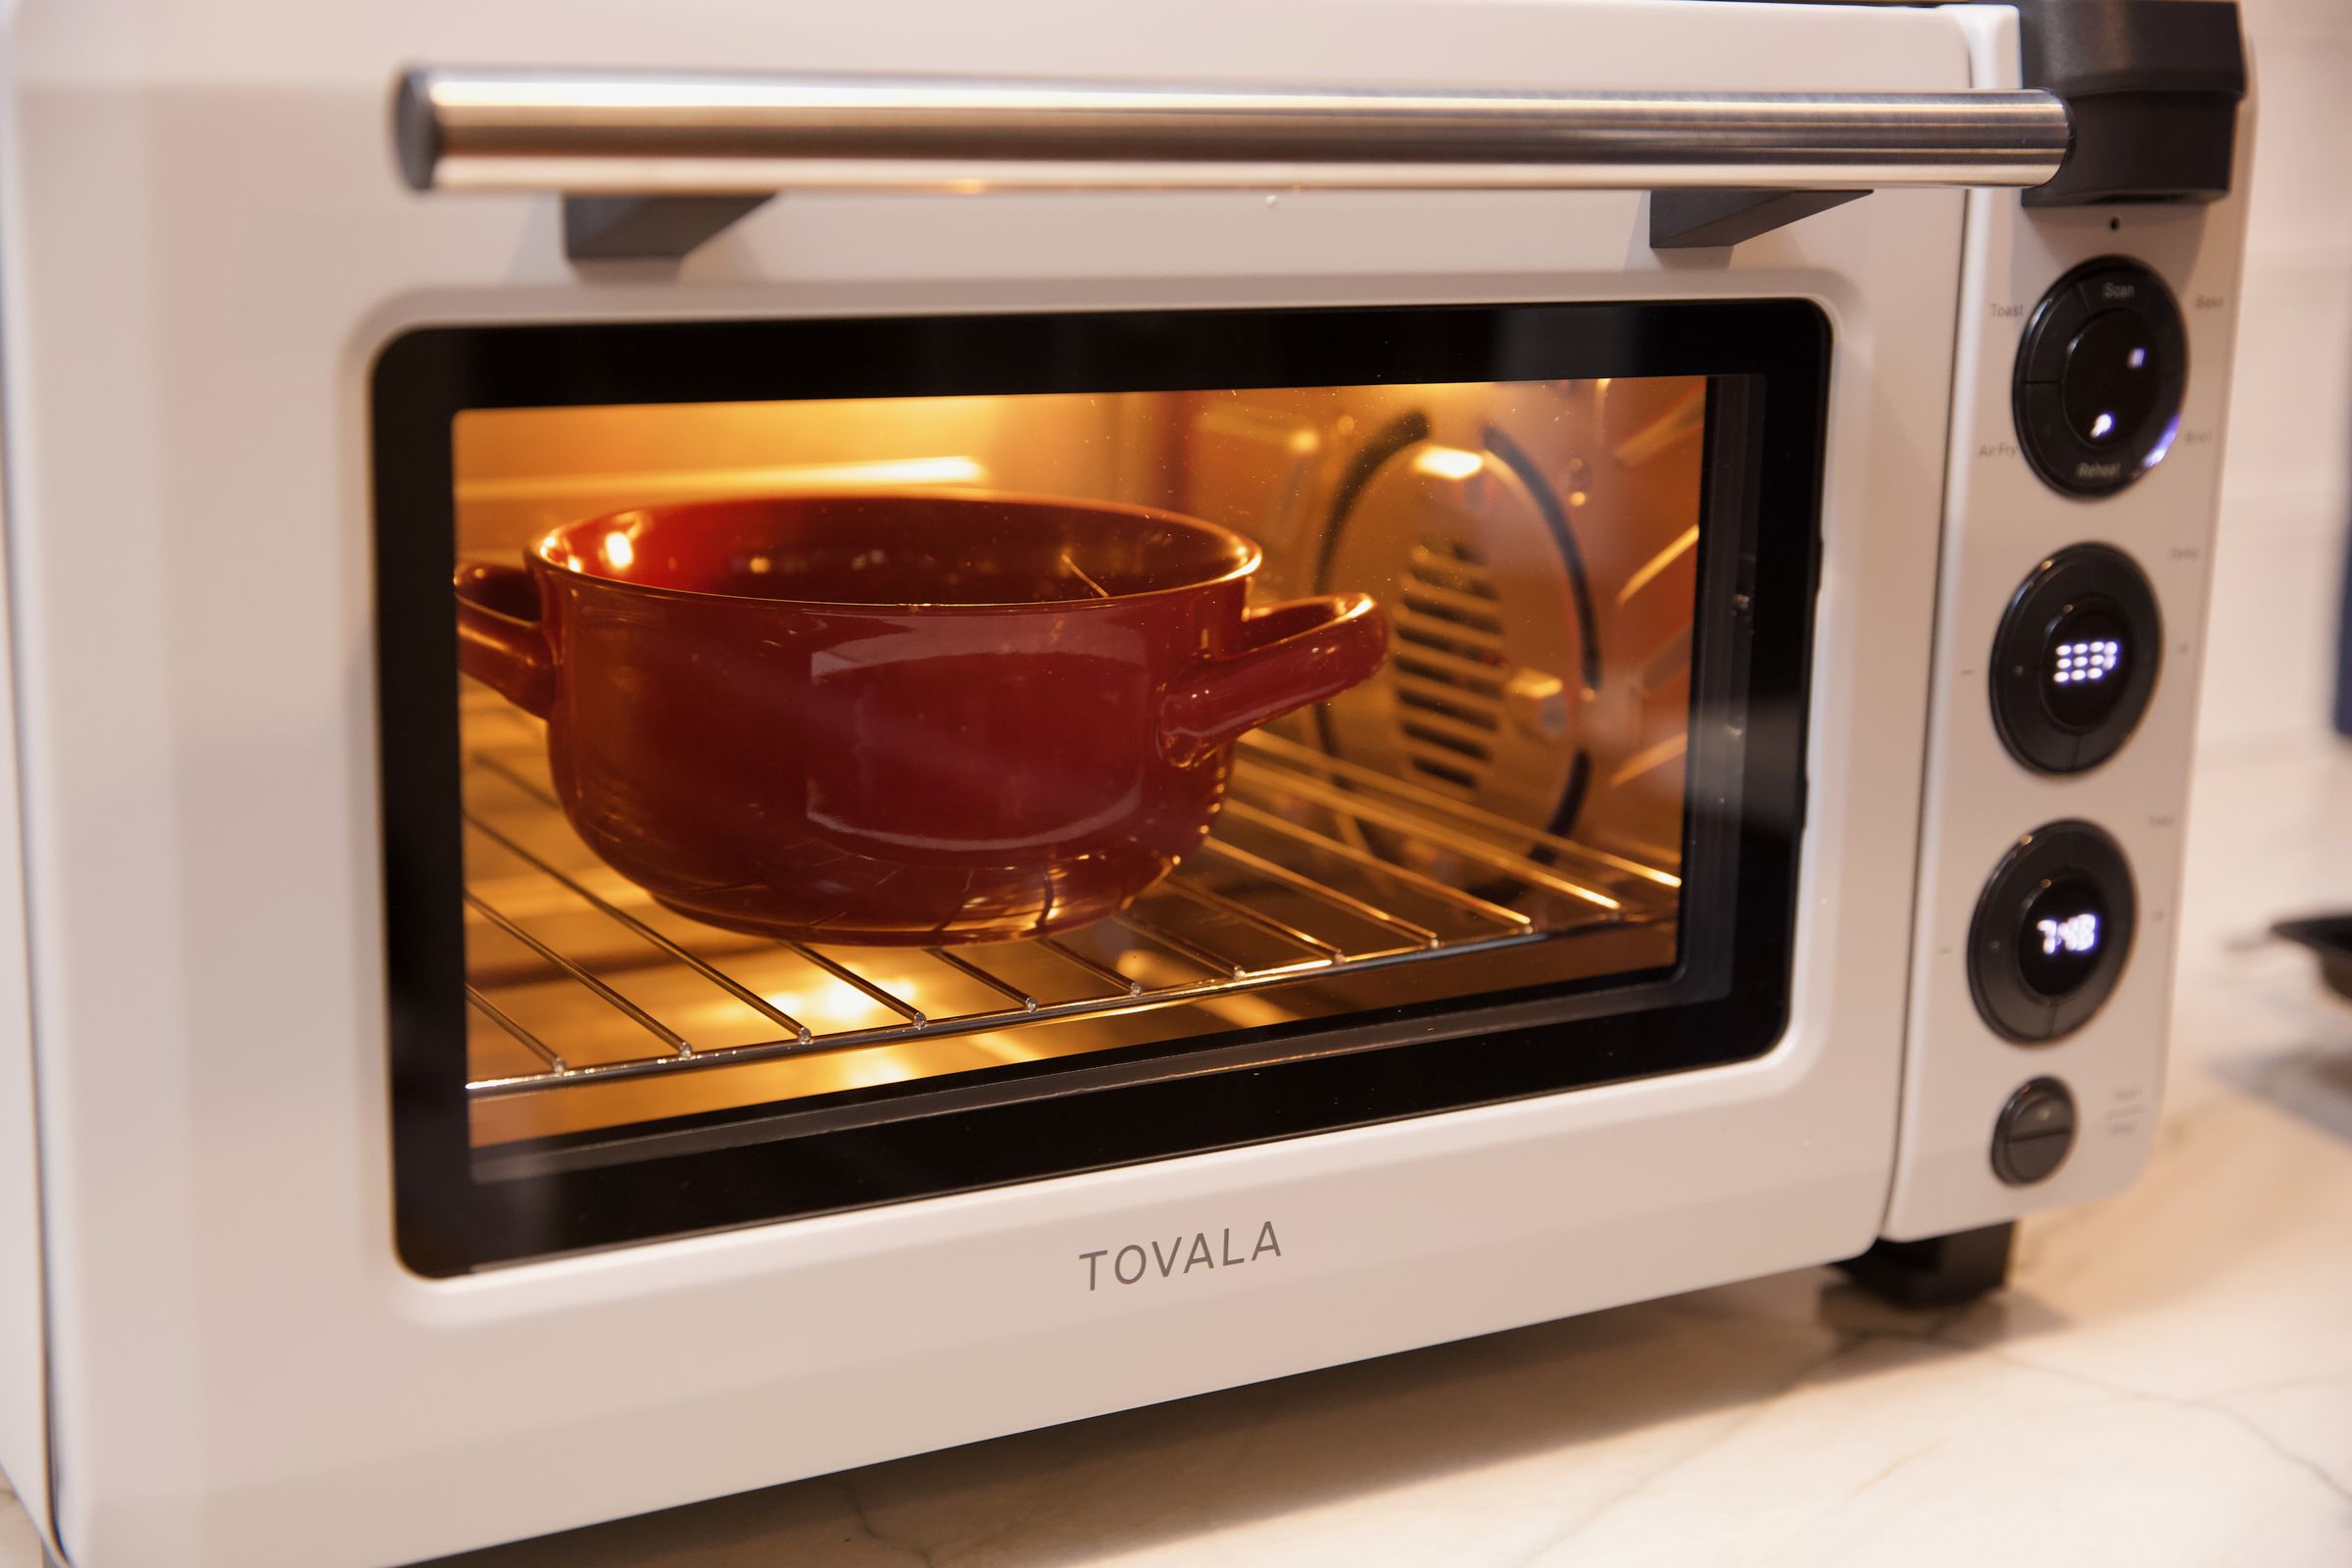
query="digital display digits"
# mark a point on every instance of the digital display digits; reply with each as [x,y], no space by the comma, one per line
[2079,934]
[2064,929]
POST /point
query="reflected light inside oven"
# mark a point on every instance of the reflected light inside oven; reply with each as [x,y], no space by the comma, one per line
[1448,463]
[618,552]
[830,1007]
[903,470]
[597,486]
[875,1064]
[1683,543]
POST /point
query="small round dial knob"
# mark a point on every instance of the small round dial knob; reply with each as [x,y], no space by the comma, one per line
[2033,1133]
[2100,376]
[2053,931]
[2076,658]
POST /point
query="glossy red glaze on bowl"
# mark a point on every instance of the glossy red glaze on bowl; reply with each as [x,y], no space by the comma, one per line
[898,717]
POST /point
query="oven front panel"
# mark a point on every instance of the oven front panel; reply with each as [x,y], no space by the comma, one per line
[1463,879]
[210,254]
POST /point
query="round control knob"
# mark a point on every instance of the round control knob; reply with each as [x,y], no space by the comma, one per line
[2076,658]
[2100,376]
[2033,1133]
[2054,928]
[2110,384]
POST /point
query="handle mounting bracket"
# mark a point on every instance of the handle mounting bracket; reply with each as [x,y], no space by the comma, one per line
[620,229]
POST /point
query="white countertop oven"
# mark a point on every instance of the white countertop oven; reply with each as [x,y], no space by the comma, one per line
[742,742]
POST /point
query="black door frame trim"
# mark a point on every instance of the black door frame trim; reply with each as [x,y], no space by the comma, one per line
[1727,1000]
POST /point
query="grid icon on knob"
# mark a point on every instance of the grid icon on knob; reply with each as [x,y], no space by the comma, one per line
[2085,662]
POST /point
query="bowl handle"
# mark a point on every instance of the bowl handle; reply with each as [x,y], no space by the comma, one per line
[1286,656]
[501,649]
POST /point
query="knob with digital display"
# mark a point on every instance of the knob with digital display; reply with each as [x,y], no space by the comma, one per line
[2074,661]
[2054,928]
[2063,936]
[2100,376]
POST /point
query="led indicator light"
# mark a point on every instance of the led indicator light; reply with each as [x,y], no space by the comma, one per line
[2077,934]
[2078,662]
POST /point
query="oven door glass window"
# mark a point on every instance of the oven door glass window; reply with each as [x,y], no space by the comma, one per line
[830,762]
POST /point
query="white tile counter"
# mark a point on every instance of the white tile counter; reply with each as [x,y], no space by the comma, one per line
[2167,1382]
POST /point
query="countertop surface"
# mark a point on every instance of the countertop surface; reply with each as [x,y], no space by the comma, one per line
[2166,1380]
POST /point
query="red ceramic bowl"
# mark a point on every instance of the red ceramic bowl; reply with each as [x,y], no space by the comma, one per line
[898,717]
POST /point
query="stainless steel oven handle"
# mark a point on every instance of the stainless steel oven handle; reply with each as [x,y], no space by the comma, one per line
[642,133]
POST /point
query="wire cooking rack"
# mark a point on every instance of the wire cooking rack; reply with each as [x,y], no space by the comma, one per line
[1316,867]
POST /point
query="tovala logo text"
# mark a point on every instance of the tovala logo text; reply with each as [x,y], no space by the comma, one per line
[1138,1262]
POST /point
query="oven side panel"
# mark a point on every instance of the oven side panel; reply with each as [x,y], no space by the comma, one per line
[2000,521]
[243,1372]
[24,1344]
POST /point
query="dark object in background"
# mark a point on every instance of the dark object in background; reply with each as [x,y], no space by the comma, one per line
[2331,937]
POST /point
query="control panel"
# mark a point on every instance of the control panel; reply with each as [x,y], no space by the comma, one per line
[2084,479]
